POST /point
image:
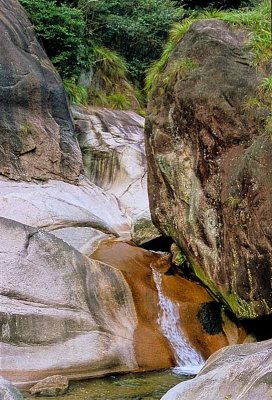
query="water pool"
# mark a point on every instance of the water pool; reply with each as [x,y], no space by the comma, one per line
[141,386]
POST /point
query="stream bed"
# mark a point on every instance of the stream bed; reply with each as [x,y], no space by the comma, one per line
[141,386]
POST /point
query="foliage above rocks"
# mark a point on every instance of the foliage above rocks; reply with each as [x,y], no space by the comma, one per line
[256,21]
[62,31]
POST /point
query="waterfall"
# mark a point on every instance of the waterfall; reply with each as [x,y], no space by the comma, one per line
[189,361]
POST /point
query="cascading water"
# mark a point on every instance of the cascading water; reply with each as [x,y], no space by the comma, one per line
[187,358]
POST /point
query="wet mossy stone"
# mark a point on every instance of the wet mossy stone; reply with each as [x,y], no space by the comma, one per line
[209,316]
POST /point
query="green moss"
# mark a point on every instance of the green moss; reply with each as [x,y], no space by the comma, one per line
[240,307]
[26,129]
[42,178]
[180,259]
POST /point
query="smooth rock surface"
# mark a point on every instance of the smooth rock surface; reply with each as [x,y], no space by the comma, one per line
[8,392]
[81,215]
[61,313]
[52,386]
[211,159]
[112,145]
[37,134]
[241,372]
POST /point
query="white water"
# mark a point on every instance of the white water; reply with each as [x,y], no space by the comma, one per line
[189,361]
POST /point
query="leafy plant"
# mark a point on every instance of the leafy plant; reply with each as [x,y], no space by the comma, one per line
[266,85]
[109,85]
[62,30]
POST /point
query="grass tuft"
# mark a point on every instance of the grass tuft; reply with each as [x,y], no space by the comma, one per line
[77,94]
[255,20]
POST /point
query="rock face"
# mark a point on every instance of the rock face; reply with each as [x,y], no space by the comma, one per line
[8,392]
[237,372]
[37,134]
[210,158]
[112,145]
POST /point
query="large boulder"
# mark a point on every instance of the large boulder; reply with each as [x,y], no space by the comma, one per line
[8,392]
[36,130]
[210,157]
[238,372]
[113,150]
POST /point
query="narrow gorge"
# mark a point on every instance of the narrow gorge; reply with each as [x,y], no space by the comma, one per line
[136,251]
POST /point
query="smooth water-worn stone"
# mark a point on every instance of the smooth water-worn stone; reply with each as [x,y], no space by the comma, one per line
[242,372]
[37,134]
[60,312]
[112,144]
[52,386]
[81,215]
[8,392]
[210,168]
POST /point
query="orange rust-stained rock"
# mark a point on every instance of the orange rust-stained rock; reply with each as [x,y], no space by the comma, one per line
[151,348]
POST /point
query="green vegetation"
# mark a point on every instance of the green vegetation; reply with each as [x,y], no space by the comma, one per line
[255,20]
[114,42]
[179,68]
[62,30]
[77,94]
[110,86]
[26,129]
[135,29]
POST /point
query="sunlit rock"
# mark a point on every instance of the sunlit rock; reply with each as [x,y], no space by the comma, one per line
[238,372]
[8,392]
[112,145]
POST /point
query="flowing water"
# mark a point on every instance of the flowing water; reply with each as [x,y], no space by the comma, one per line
[141,386]
[189,361]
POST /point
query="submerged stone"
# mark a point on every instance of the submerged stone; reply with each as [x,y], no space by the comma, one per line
[52,386]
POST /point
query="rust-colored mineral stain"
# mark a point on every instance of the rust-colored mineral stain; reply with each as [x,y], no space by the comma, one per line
[151,348]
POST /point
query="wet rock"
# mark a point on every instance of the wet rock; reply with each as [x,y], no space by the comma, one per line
[8,392]
[52,386]
[238,372]
[189,298]
[210,157]
[37,133]
[112,144]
